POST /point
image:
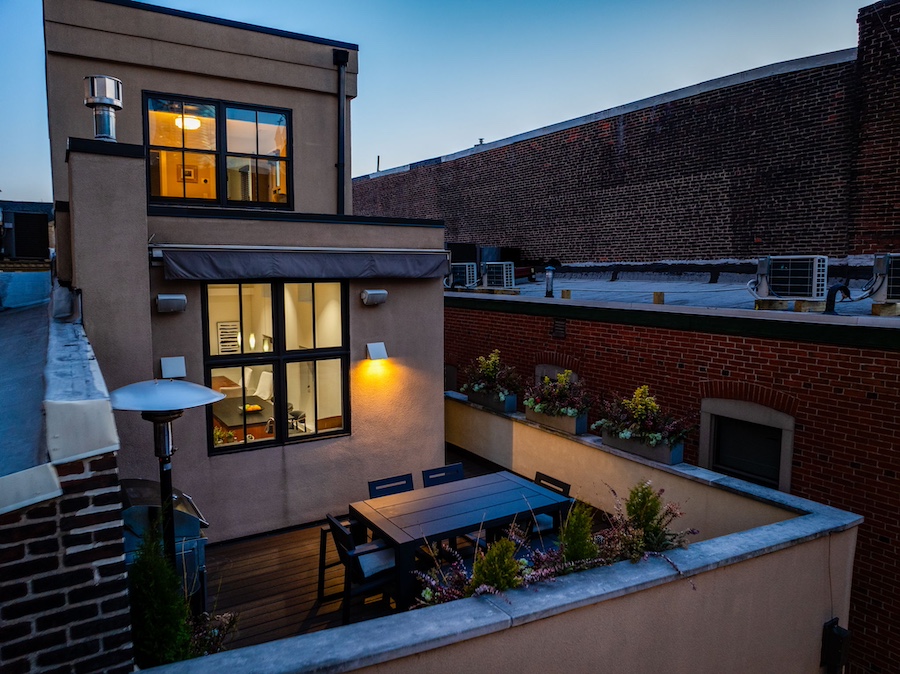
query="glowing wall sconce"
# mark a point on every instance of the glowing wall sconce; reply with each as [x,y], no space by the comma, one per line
[376,351]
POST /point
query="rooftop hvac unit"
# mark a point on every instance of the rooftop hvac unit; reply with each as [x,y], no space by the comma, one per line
[792,277]
[886,281]
[500,274]
[463,274]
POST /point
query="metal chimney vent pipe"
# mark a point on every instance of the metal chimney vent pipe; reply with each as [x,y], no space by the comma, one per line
[103,94]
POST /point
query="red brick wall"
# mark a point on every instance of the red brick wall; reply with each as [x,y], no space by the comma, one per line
[63,592]
[844,400]
[796,163]
[757,168]
[877,190]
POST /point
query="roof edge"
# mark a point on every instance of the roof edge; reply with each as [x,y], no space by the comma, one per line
[781,68]
[231,23]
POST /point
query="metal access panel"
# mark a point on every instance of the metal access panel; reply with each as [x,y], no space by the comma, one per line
[500,274]
[464,274]
[798,277]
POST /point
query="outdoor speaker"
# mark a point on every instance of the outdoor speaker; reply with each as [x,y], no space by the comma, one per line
[372,297]
[169,303]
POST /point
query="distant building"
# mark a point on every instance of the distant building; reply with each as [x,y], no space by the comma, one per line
[204,231]
[25,234]
[791,158]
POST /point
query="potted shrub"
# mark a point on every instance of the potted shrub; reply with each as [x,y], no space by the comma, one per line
[561,403]
[639,426]
[492,384]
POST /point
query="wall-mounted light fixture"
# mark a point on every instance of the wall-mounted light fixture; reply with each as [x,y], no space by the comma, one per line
[170,303]
[373,297]
[376,351]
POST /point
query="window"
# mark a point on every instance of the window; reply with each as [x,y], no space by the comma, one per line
[748,441]
[195,147]
[278,351]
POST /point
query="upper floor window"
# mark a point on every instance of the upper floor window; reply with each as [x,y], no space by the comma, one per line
[217,153]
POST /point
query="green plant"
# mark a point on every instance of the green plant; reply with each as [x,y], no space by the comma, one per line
[561,396]
[160,617]
[497,568]
[488,374]
[641,418]
[222,435]
[575,536]
[643,527]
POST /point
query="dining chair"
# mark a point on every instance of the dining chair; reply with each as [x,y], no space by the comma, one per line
[264,386]
[390,485]
[544,523]
[367,566]
[442,475]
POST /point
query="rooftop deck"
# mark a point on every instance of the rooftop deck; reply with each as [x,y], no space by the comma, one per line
[270,580]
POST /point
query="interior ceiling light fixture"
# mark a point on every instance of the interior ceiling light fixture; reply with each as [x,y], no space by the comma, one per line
[187,122]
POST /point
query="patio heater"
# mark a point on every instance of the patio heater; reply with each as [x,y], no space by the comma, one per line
[161,401]
[548,280]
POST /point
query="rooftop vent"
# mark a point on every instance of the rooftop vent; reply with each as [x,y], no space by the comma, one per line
[103,94]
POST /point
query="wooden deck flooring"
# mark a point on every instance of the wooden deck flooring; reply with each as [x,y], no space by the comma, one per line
[270,581]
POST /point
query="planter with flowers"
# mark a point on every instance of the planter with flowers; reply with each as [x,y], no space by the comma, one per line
[561,403]
[492,384]
[639,426]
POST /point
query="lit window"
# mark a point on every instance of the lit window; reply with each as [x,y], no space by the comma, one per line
[278,352]
[191,154]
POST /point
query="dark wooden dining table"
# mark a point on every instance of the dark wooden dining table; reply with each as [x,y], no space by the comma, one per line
[432,514]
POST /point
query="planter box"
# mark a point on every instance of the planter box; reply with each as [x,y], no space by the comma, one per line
[663,453]
[574,425]
[492,401]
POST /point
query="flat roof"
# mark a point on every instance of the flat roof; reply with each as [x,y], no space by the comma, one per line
[232,24]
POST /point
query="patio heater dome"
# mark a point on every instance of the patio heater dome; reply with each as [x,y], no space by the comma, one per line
[162,395]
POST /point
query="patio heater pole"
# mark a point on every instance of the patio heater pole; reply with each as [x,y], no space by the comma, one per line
[164,448]
[162,401]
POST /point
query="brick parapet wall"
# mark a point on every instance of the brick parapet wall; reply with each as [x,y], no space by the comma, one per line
[63,591]
[762,167]
[843,398]
[877,190]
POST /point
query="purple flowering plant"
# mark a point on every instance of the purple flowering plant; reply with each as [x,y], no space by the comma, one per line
[562,396]
[641,418]
[488,374]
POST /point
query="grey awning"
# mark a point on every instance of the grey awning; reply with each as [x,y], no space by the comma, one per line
[225,265]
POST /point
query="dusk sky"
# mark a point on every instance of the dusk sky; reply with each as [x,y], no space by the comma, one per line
[437,76]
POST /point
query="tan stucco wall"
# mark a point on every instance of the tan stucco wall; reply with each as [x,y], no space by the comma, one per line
[761,615]
[279,233]
[156,52]
[527,448]
[396,413]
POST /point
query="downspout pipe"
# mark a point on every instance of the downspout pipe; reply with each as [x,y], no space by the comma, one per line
[341,58]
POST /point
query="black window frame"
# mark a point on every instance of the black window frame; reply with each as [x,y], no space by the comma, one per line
[221,154]
[279,358]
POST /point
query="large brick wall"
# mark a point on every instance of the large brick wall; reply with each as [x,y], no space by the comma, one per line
[877,189]
[726,173]
[844,400]
[63,591]
[788,163]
